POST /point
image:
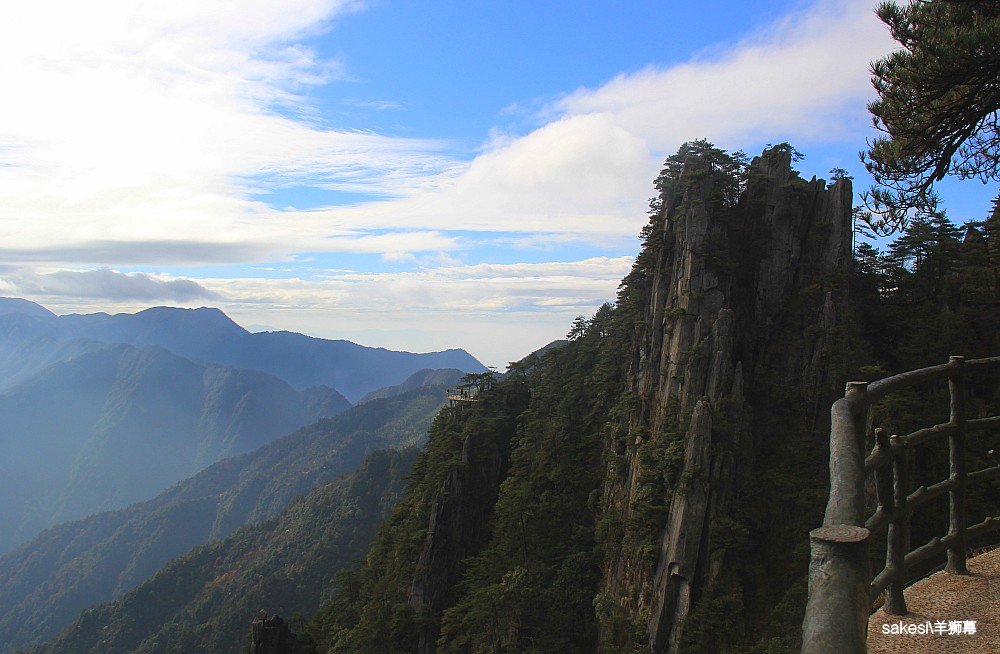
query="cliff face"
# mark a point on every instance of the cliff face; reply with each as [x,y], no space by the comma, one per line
[742,305]
[457,527]
[652,485]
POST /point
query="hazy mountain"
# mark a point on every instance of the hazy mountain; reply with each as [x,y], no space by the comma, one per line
[27,307]
[203,601]
[29,344]
[117,424]
[210,335]
[46,582]
[444,377]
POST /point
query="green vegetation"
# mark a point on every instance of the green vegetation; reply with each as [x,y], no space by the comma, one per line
[529,577]
[931,294]
[529,573]
[46,584]
[203,601]
[532,587]
[456,479]
[938,104]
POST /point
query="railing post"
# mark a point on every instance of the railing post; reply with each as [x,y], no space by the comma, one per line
[956,448]
[836,617]
[888,483]
[897,536]
[848,418]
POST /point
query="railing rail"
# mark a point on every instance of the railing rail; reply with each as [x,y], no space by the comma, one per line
[841,585]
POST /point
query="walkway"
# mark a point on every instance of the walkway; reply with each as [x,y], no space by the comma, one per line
[943,603]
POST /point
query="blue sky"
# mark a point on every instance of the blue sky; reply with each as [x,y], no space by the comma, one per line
[411,175]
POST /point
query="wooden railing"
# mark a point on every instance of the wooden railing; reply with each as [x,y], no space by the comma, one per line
[841,585]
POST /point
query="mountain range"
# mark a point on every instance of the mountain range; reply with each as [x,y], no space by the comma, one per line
[101,411]
[209,335]
[648,486]
[202,602]
[118,423]
[47,581]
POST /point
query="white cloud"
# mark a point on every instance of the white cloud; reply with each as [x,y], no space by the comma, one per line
[128,122]
[138,133]
[499,312]
[107,285]
[580,175]
[448,288]
[587,173]
[136,121]
[803,79]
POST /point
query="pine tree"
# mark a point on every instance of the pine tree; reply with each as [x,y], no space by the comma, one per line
[938,105]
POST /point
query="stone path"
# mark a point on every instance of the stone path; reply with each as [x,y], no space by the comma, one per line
[936,604]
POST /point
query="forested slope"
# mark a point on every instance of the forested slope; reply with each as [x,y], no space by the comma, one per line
[656,490]
[119,424]
[636,442]
[203,602]
[48,581]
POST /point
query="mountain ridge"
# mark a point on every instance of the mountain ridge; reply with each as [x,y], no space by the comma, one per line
[46,582]
[306,545]
[631,479]
[209,335]
[117,424]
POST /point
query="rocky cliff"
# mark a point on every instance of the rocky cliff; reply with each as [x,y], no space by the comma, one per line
[652,487]
[737,328]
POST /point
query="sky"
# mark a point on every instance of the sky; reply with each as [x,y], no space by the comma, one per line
[410,175]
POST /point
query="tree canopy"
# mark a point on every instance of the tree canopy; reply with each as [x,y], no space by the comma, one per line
[938,103]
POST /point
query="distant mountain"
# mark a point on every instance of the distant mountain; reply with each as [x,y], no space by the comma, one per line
[46,582]
[203,602]
[350,368]
[188,332]
[27,307]
[446,377]
[210,335]
[118,424]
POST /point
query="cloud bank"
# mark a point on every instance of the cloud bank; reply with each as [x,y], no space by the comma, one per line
[136,122]
[107,285]
[142,134]
[133,122]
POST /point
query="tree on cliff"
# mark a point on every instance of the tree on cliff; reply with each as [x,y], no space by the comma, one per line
[938,105]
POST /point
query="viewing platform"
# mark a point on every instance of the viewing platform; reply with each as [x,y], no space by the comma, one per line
[946,607]
[875,492]
[463,396]
[475,384]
